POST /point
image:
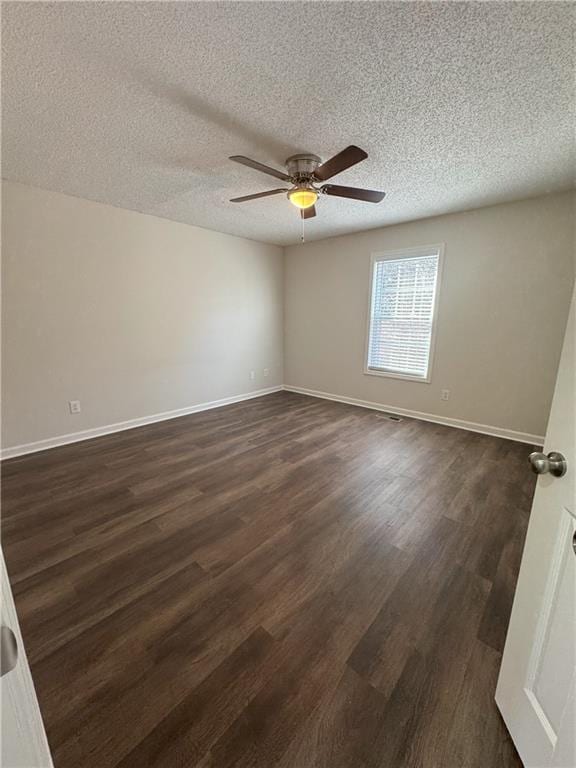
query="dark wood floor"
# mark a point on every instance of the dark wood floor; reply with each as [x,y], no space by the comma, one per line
[283,582]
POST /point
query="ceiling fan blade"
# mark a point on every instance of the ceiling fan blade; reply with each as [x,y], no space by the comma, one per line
[354,193]
[345,159]
[257,195]
[308,213]
[259,167]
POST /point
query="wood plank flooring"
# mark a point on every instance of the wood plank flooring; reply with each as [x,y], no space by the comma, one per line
[283,582]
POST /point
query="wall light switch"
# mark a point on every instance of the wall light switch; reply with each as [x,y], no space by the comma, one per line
[74,406]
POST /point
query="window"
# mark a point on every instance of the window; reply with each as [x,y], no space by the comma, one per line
[402,310]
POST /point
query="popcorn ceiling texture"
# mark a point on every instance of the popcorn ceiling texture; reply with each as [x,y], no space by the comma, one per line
[459,105]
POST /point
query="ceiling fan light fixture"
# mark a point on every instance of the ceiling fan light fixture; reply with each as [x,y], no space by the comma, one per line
[303,172]
[303,197]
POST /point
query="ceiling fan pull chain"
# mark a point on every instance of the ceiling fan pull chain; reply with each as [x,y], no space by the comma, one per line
[302,220]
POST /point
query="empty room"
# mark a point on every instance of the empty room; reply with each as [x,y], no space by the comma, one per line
[288,385]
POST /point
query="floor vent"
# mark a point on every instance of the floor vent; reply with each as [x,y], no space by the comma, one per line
[391,417]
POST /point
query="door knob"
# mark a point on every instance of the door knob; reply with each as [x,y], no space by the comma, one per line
[8,650]
[554,463]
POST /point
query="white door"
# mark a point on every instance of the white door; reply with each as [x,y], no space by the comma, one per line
[23,741]
[536,688]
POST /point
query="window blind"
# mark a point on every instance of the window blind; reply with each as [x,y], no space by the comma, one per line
[401,315]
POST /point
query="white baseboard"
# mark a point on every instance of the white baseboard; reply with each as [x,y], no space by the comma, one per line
[88,434]
[471,426]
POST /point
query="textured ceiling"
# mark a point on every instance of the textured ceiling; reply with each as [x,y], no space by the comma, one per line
[138,105]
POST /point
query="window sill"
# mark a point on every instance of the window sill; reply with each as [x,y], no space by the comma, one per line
[391,375]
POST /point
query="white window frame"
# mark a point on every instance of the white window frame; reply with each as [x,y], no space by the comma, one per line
[406,253]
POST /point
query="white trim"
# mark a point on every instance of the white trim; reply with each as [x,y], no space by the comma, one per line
[406,253]
[393,375]
[88,434]
[471,426]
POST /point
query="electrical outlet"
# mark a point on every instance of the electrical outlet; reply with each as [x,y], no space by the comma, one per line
[445,394]
[266,371]
[74,406]
[252,375]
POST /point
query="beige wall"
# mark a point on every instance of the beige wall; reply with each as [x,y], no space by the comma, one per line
[503,306]
[135,315]
[130,314]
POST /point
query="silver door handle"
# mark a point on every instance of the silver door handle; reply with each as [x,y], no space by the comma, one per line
[8,650]
[554,463]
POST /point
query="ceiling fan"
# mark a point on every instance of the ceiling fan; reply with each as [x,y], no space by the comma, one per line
[304,172]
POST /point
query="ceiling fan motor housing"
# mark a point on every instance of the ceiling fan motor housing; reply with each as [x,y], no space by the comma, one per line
[301,167]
